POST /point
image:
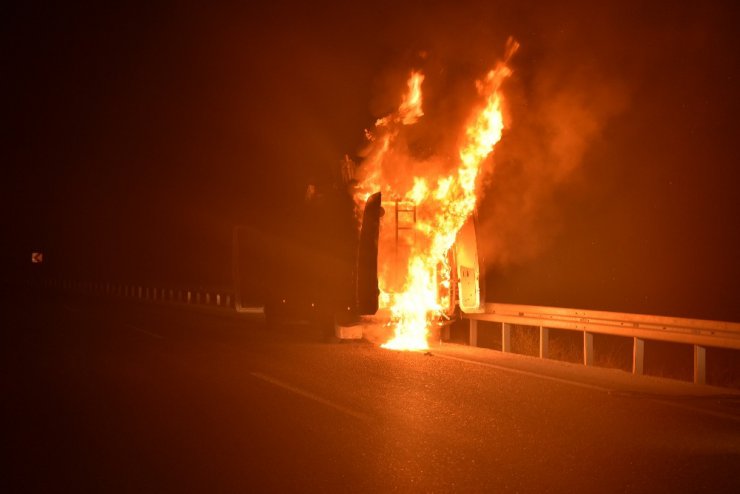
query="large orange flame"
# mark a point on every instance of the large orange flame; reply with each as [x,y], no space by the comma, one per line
[410,282]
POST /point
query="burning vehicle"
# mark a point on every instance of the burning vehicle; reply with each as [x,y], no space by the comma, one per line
[414,264]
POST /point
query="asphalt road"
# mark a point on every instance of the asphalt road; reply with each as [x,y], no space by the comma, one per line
[101,396]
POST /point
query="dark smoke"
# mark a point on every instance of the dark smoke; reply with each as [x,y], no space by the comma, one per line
[557,111]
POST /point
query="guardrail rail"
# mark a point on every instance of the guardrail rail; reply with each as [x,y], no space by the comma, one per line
[700,333]
[222,297]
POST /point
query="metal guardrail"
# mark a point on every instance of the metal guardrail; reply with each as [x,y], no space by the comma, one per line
[213,296]
[700,333]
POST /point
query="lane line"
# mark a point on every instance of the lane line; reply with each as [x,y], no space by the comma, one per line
[611,391]
[144,331]
[310,396]
[527,373]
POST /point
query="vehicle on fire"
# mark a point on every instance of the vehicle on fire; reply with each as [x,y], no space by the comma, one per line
[323,268]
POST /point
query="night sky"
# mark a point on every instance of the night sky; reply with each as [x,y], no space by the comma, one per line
[136,137]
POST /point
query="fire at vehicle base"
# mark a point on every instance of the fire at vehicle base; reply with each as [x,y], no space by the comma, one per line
[377,329]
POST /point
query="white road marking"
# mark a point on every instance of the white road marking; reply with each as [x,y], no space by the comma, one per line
[614,392]
[310,396]
[251,310]
[526,373]
[135,328]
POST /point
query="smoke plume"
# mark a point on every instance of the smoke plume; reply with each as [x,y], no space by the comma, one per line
[555,117]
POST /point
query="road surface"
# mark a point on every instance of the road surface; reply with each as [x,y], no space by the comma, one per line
[102,396]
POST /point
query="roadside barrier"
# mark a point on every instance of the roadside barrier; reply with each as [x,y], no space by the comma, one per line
[700,333]
[218,297]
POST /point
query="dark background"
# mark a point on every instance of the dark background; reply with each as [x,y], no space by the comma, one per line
[136,137]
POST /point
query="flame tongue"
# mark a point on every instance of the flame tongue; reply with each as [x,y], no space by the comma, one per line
[410,109]
[410,283]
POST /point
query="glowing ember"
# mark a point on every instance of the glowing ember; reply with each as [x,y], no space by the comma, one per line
[426,202]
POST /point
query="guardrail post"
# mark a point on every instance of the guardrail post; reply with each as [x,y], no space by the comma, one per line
[588,348]
[544,342]
[700,364]
[638,355]
[505,337]
[473,332]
